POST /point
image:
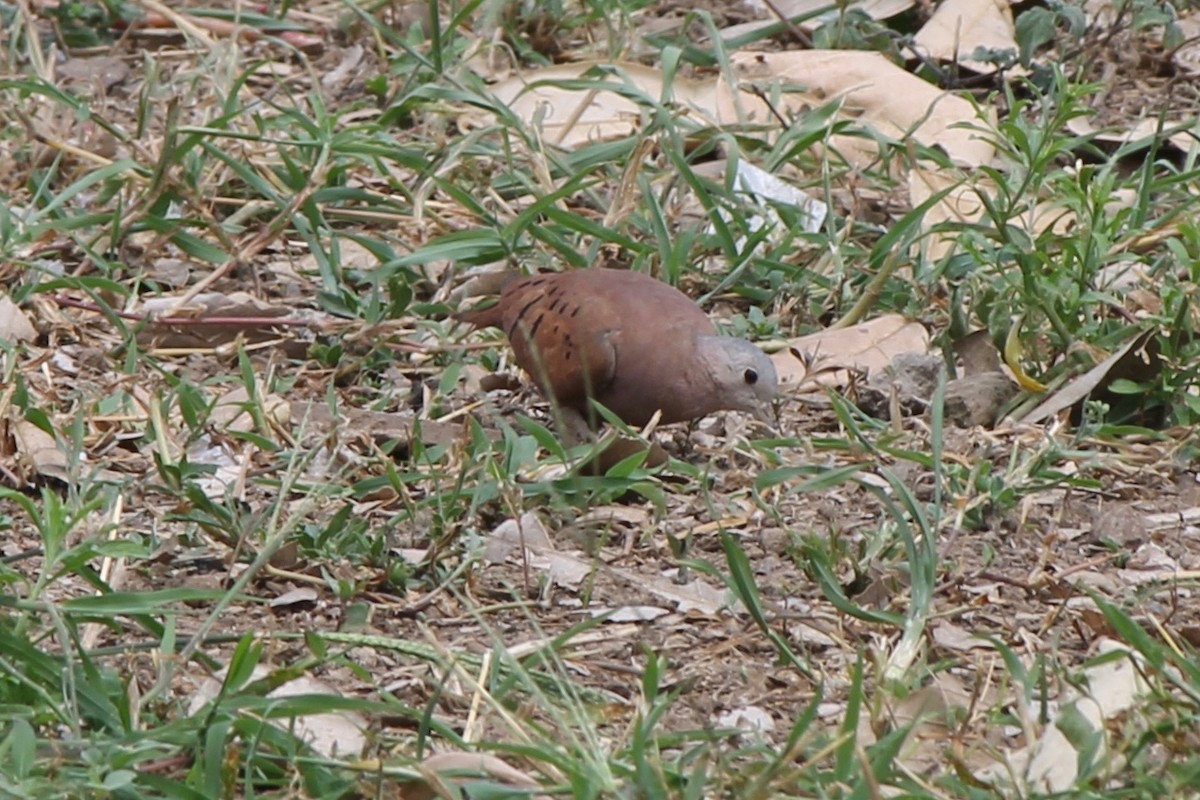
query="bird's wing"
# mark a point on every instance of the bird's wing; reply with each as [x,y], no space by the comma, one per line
[562,337]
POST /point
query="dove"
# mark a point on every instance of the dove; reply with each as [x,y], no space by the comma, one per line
[632,343]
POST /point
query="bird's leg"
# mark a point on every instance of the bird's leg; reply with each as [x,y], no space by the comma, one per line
[574,427]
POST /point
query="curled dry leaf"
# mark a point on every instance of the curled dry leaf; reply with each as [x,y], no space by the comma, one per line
[39,453]
[300,596]
[1138,360]
[750,719]
[929,714]
[630,613]
[459,768]
[14,323]
[790,9]
[570,116]
[826,358]
[1186,57]
[232,410]
[333,734]
[873,90]
[1052,764]
[976,354]
[959,206]
[959,27]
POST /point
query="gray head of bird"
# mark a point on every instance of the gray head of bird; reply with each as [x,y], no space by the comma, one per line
[743,376]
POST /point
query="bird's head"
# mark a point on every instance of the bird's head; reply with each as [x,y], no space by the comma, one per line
[743,375]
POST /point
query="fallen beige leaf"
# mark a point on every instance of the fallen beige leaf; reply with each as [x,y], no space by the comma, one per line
[1052,763]
[571,117]
[826,358]
[958,27]
[873,90]
[14,323]
[332,734]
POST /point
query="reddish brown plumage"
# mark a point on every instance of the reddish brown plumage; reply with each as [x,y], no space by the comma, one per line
[633,343]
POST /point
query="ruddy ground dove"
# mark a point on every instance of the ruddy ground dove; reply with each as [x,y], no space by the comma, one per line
[634,344]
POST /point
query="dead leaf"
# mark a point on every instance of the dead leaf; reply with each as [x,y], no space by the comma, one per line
[231,411]
[790,9]
[1179,131]
[14,323]
[570,117]
[100,72]
[827,357]
[211,319]
[1137,360]
[301,595]
[749,719]
[959,206]
[333,734]
[630,613]
[458,768]
[958,27]
[1052,764]
[381,426]
[41,453]
[505,538]
[874,91]
[957,639]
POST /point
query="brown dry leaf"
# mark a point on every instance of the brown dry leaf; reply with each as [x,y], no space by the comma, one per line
[350,255]
[299,596]
[511,534]
[956,638]
[959,206]
[1180,131]
[570,571]
[1186,57]
[1149,564]
[98,72]
[210,319]
[334,81]
[40,452]
[958,27]
[874,90]
[14,323]
[696,595]
[231,411]
[833,353]
[931,712]
[379,425]
[228,466]
[1137,360]
[528,538]
[333,734]
[570,117]
[790,9]
[1053,763]
[455,767]
[630,613]
[752,720]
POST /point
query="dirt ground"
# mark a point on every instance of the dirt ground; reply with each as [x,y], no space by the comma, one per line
[1120,522]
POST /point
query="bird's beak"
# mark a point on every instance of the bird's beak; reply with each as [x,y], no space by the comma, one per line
[767,414]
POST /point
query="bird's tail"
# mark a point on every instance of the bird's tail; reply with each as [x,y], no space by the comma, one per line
[489,283]
[489,317]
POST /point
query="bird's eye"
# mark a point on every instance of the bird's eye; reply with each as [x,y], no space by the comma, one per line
[750,376]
